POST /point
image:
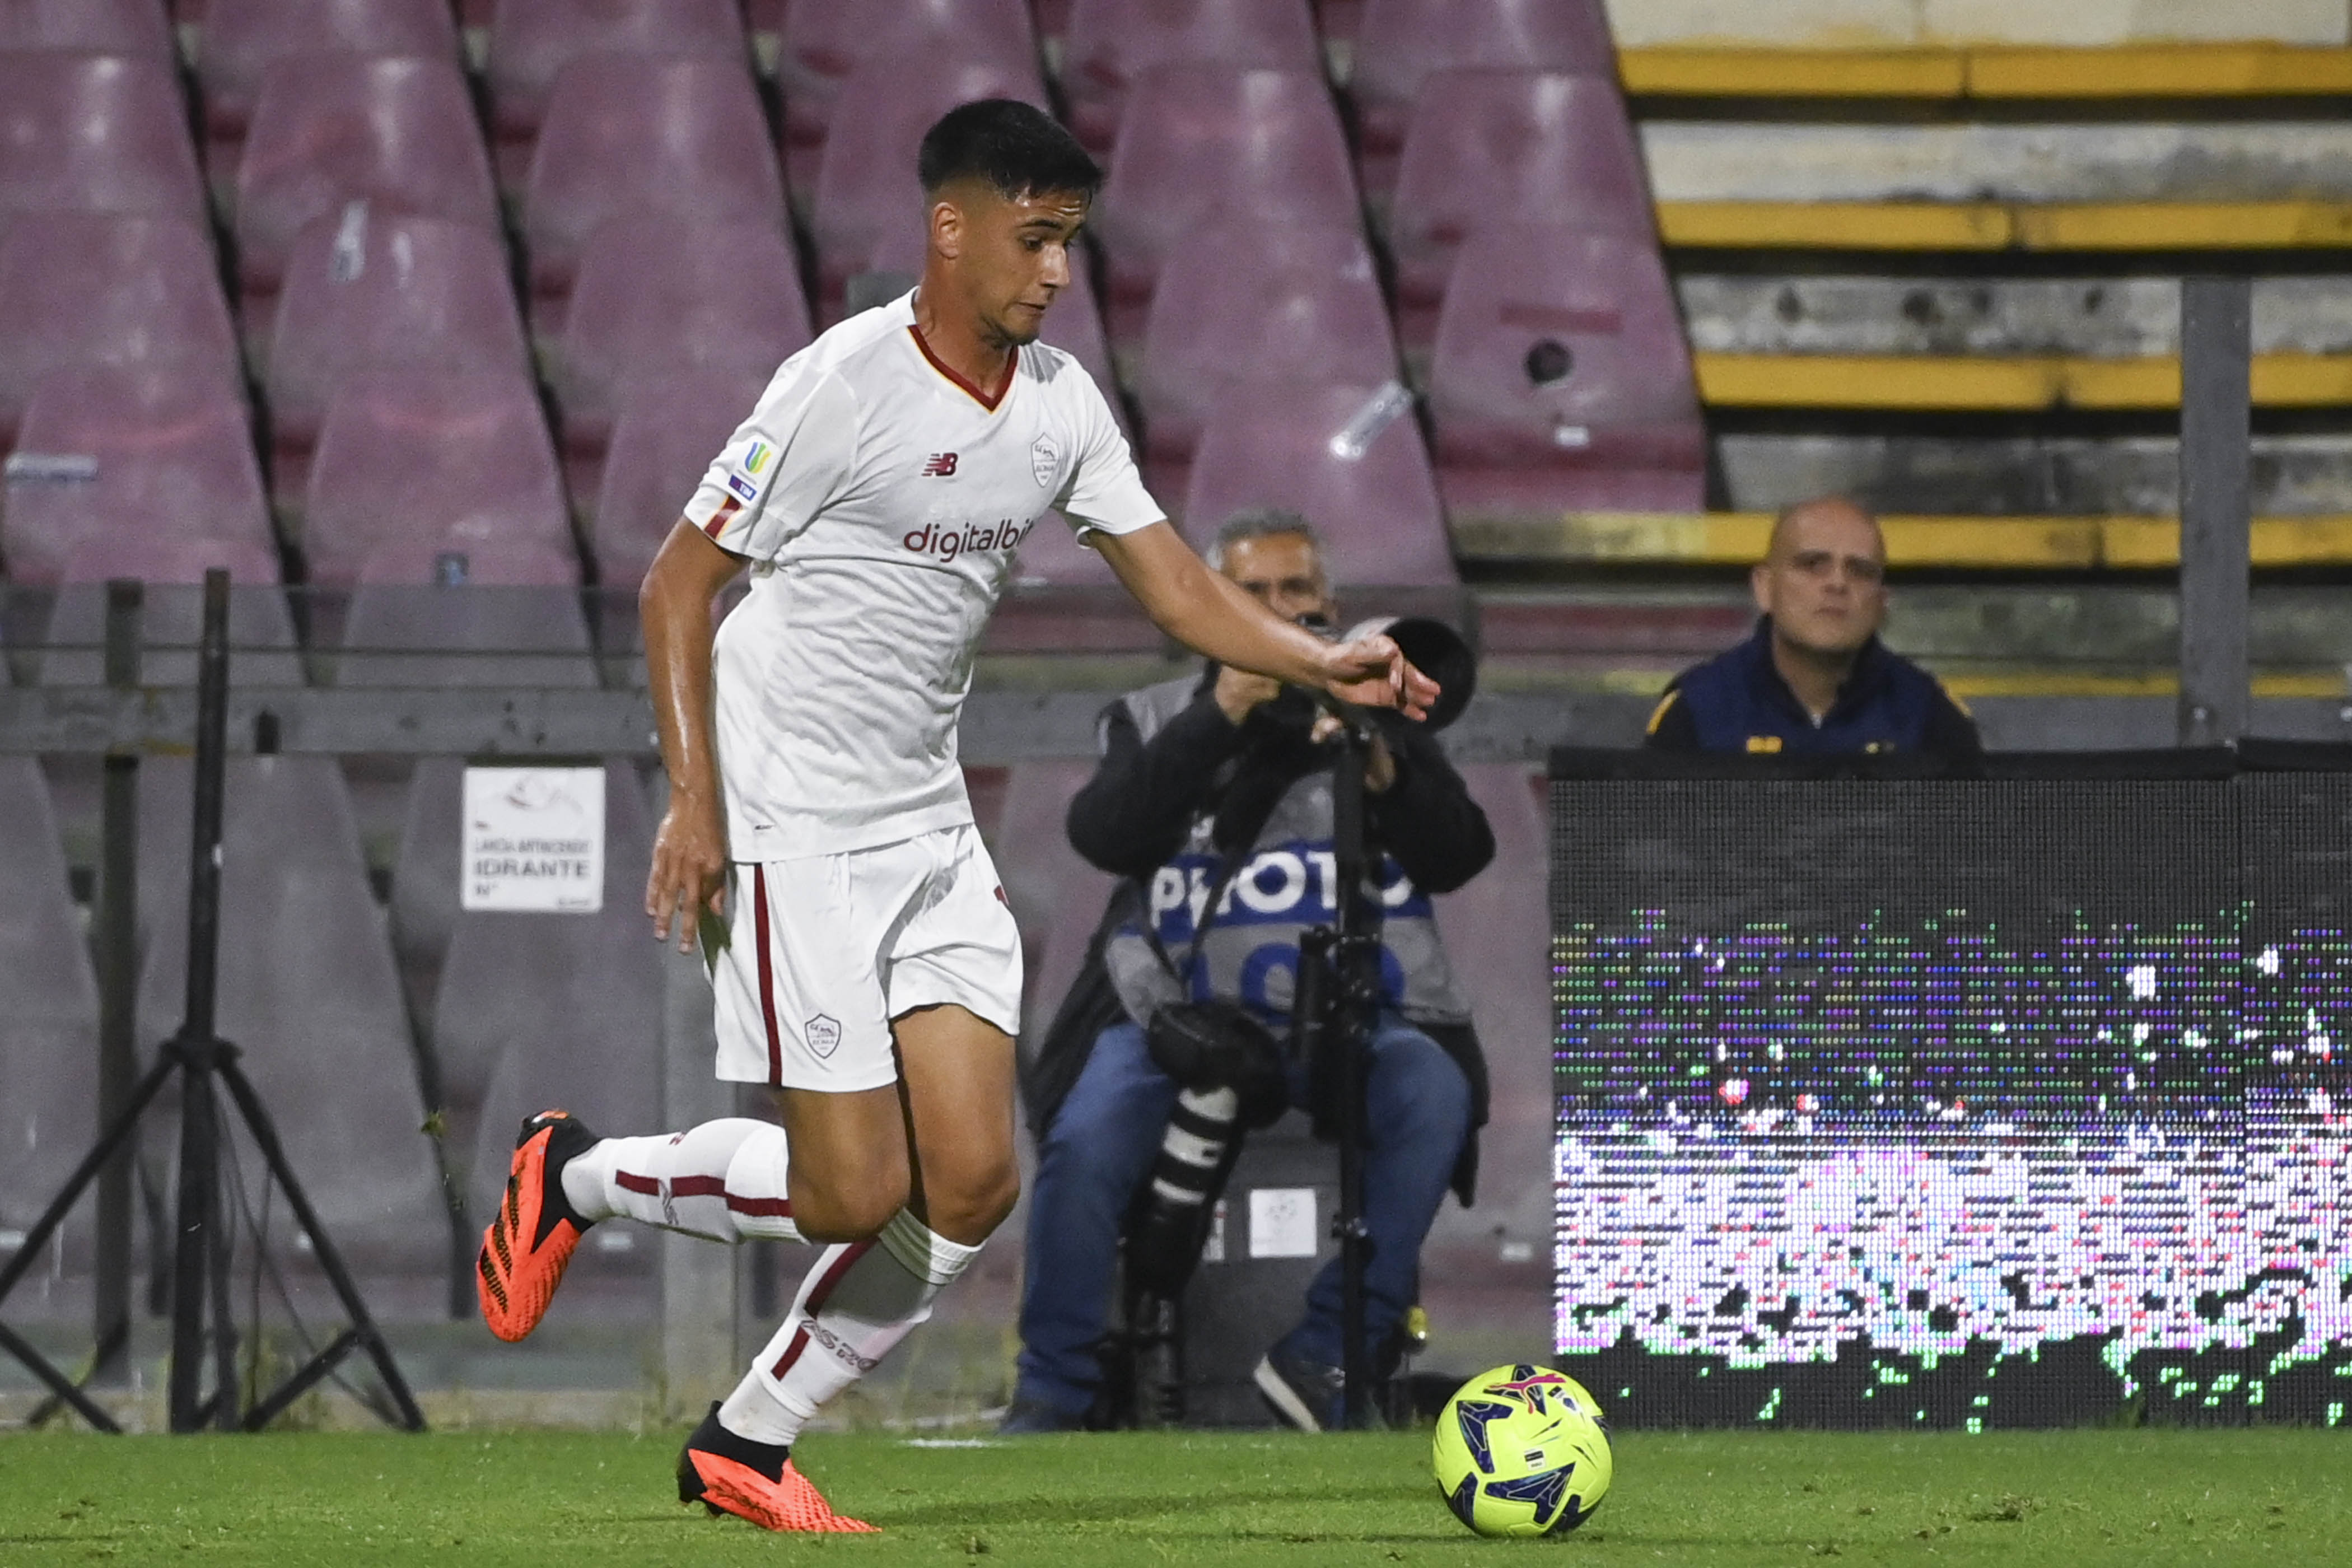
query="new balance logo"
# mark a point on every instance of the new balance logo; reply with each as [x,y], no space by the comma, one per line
[941,467]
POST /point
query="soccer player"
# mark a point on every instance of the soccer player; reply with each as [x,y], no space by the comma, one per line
[866,966]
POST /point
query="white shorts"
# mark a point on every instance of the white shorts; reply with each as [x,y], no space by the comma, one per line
[821,954]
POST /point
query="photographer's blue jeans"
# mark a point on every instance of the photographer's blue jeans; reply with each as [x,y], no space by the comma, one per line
[1102,1141]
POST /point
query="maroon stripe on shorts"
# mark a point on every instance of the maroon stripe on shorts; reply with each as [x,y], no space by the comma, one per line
[816,1301]
[767,975]
[630,1182]
[698,1187]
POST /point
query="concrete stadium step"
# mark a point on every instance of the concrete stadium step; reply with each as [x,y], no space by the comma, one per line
[2020,472]
[2108,317]
[2102,161]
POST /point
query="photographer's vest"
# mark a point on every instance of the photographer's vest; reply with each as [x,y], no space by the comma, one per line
[1286,886]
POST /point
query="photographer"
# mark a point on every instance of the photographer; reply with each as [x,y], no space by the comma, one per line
[1212,798]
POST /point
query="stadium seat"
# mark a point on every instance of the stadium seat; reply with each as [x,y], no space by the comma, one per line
[263,648]
[1203,141]
[330,130]
[83,290]
[1057,898]
[535,1010]
[241,39]
[1348,458]
[681,135]
[1402,41]
[106,453]
[367,291]
[826,44]
[88,27]
[869,202]
[1238,301]
[466,613]
[1488,146]
[655,295]
[48,1031]
[1561,381]
[95,133]
[307,993]
[1112,42]
[443,461]
[532,40]
[669,428]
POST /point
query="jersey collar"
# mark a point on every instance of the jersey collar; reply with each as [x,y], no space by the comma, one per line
[987,400]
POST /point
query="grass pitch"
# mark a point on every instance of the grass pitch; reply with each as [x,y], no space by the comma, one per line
[571,1500]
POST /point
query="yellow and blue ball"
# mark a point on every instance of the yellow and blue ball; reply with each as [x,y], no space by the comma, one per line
[1522,1450]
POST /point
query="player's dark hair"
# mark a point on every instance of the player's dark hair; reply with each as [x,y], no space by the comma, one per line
[1017,148]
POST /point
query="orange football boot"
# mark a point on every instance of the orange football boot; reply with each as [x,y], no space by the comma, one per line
[728,1474]
[529,1245]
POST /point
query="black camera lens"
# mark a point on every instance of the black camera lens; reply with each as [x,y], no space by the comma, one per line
[1548,362]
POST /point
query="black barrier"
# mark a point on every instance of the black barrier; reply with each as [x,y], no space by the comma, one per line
[2012,1102]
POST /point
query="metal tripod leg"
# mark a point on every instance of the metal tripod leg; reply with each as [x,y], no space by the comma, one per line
[363,1333]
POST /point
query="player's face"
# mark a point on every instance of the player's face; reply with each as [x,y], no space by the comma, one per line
[1824,584]
[1011,256]
[1280,571]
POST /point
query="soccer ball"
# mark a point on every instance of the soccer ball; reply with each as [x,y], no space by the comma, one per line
[1522,1450]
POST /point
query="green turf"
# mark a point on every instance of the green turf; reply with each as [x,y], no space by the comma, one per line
[570,1501]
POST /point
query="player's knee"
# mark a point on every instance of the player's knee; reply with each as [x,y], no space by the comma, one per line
[829,1211]
[969,1209]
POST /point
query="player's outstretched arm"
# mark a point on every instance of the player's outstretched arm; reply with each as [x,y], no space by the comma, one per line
[690,865]
[1210,615]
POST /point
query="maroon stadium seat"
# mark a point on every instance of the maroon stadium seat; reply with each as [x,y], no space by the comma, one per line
[534,1010]
[1402,41]
[1204,141]
[1562,379]
[440,461]
[655,294]
[1348,458]
[103,452]
[868,205]
[48,1031]
[262,642]
[467,612]
[368,291]
[80,289]
[241,39]
[826,43]
[1501,146]
[332,130]
[681,135]
[95,133]
[1246,301]
[307,990]
[1057,898]
[669,430]
[1112,42]
[92,26]
[532,40]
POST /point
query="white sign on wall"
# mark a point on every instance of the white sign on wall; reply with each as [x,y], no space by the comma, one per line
[534,840]
[1282,1222]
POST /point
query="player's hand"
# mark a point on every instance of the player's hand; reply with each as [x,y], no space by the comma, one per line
[1372,672]
[1238,694]
[689,869]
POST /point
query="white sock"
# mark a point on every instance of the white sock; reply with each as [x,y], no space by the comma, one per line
[859,1300]
[724,1180]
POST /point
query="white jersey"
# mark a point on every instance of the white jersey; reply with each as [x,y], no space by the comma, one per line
[880,497]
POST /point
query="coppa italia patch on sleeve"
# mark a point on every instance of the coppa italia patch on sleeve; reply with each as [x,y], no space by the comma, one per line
[745,478]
